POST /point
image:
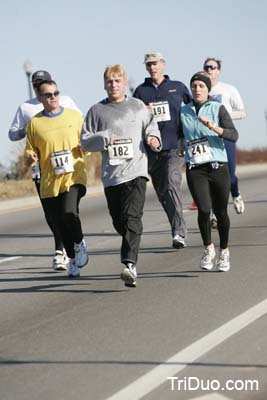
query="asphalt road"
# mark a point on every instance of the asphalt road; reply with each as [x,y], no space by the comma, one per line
[181,334]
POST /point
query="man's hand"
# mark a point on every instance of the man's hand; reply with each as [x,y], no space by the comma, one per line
[113,137]
[153,142]
[31,158]
[181,149]
[149,107]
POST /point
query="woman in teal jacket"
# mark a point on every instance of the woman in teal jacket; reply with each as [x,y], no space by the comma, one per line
[204,125]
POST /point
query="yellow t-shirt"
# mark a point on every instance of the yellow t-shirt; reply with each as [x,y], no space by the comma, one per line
[57,133]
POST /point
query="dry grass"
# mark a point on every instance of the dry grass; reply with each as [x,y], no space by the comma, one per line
[255,156]
[25,187]
[15,188]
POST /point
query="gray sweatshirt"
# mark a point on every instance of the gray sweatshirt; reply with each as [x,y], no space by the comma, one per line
[132,123]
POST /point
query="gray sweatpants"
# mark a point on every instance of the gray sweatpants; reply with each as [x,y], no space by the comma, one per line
[165,169]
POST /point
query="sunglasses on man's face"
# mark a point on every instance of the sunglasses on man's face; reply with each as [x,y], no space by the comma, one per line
[48,95]
[208,67]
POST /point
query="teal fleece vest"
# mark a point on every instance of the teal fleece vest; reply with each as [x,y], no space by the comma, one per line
[194,129]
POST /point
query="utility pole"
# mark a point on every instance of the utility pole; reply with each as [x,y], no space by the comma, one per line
[265,114]
[28,71]
[131,86]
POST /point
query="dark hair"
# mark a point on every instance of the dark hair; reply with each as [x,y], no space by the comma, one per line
[48,82]
[218,62]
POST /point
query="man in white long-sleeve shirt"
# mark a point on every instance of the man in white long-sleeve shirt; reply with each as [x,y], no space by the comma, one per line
[229,96]
[31,107]
[25,112]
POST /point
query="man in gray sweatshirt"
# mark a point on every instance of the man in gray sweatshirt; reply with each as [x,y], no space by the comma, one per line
[119,126]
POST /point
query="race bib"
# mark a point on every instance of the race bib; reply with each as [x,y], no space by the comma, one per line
[161,111]
[62,162]
[199,151]
[121,149]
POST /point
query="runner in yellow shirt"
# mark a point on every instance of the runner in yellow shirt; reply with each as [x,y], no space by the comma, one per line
[53,138]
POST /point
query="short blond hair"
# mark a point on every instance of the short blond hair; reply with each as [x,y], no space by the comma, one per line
[114,69]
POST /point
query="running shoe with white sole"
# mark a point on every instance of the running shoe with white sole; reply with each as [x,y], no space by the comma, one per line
[178,242]
[223,261]
[74,270]
[239,204]
[129,275]
[81,256]
[60,261]
[207,257]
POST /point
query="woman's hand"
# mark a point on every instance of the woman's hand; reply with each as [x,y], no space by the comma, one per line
[205,121]
[211,125]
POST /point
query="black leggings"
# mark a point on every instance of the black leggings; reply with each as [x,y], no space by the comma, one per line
[63,210]
[210,189]
[51,222]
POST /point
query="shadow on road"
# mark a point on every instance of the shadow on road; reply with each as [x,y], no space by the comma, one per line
[135,362]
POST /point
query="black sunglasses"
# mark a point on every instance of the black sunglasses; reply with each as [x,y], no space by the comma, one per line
[49,95]
[212,67]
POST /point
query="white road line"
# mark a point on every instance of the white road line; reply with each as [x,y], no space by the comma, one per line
[158,375]
[9,259]
[211,396]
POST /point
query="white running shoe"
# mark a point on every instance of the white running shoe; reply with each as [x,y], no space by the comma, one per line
[60,261]
[74,270]
[178,242]
[239,204]
[207,257]
[213,221]
[129,275]
[223,261]
[81,256]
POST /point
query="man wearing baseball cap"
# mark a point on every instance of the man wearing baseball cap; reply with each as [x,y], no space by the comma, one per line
[153,56]
[163,97]
[31,107]
[25,112]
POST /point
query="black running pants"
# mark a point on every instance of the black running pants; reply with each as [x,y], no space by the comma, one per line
[210,189]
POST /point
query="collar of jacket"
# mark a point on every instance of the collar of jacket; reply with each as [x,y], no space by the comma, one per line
[192,104]
[149,81]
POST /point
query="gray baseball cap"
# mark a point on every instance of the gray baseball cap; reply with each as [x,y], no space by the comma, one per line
[153,56]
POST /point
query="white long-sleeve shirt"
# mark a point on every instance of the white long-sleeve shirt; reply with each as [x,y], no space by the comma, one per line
[229,96]
[28,110]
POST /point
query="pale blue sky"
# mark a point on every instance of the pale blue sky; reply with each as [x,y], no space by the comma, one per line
[76,40]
